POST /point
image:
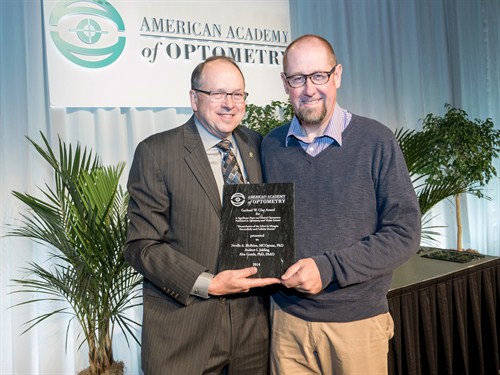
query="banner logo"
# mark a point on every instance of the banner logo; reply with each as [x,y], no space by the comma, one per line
[87,32]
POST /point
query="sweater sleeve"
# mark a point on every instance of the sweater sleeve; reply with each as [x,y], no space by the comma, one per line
[397,234]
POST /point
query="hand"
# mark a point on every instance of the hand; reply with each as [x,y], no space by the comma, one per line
[237,281]
[304,276]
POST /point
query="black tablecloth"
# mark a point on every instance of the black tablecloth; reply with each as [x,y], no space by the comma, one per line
[445,317]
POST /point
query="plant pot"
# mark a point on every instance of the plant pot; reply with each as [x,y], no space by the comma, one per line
[117,368]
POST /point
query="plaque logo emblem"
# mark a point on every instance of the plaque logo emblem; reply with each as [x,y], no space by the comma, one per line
[237,199]
[87,32]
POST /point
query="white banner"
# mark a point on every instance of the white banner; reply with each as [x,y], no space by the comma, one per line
[141,53]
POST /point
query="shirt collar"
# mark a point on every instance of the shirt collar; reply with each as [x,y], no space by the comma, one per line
[333,130]
[209,140]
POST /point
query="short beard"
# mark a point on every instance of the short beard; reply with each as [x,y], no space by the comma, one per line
[311,117]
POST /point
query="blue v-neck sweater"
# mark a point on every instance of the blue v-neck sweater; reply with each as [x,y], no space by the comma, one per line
[357,216]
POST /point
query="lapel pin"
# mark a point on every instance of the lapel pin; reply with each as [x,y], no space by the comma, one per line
[251,154]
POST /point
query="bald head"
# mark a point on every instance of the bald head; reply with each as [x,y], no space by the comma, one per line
[309,40]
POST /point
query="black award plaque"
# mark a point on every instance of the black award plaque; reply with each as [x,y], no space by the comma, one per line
[258,228]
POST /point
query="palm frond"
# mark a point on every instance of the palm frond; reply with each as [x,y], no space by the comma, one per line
[82,223]
[416,147]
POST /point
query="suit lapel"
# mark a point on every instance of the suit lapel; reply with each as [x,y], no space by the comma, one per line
[197,161]
[250,156]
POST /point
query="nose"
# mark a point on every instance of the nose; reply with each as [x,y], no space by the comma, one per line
[309,87]
[228,102]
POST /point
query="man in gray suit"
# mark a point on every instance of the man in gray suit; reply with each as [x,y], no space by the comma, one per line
[196,320]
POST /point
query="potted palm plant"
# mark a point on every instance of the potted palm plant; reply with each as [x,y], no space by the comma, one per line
[81,219]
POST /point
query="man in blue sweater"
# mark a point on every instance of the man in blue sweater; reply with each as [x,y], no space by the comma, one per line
[357,219]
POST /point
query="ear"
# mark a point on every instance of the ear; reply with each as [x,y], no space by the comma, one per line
[193,96]
[338,75]
[285,83]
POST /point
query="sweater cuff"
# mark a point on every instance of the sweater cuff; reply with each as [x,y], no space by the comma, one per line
[325,269]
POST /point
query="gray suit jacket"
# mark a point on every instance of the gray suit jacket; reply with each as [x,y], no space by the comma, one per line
[173,237]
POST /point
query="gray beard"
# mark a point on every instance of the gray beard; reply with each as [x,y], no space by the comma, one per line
[309,117]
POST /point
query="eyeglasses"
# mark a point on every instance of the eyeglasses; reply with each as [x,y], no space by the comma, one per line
[318,78]
[220,96]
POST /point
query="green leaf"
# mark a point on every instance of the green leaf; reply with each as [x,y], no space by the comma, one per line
[452,155]
[81,221]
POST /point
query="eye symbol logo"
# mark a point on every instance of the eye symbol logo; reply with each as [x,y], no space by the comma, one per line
[87,32]
[237,199]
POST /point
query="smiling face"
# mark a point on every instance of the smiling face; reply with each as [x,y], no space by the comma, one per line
[221,118]
[313,104]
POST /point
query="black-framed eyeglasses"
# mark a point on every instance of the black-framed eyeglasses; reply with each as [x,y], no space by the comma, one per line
[318,78]
[220,96]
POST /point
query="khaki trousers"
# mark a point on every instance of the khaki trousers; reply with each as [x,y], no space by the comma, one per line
[351,348]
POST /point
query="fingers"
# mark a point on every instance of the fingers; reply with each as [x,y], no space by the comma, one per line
[292,270]
[303,276]
[246,272]
[258,282]
[238,281]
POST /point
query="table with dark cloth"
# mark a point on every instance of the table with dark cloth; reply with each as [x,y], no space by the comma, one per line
[445,317]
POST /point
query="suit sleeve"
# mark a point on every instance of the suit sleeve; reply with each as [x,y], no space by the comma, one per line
[149,248]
